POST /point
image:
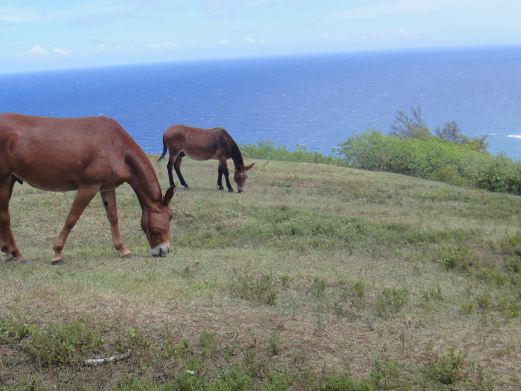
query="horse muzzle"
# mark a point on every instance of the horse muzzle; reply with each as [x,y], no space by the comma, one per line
[161,250]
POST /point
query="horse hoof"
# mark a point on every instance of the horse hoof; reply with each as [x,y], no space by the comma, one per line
[23,261]
[230,190]
[220,188]
[186,187]
[125,254]
[57,261]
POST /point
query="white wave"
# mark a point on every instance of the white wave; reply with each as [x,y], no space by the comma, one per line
[514,136]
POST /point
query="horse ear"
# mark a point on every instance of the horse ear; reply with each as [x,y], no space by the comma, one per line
[248,167]
[168,195]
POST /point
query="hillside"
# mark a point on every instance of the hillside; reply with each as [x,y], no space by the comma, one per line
[317,277]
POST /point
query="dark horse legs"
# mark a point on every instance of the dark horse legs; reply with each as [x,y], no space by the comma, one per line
[223,169]
[169,171]
[177,166]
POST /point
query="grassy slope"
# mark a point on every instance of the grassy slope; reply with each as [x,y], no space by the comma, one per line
[293,271]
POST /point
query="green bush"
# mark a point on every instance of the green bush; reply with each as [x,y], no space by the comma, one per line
[433,158]
[269,151]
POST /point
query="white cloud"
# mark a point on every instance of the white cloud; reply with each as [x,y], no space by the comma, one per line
[161,45]
[61,51]
[255,41]
[39,51]
[223,42]
[101,47]
[35,51]
[405,33]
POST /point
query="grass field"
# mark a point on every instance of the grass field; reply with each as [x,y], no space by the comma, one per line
[317,277]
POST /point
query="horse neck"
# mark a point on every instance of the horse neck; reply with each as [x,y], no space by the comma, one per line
[235,154]
[143,180]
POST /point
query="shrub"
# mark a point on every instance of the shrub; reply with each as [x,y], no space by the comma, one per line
[433,158]
[269,151]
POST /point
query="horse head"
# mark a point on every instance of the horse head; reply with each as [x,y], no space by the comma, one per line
[241,175]
[155,222]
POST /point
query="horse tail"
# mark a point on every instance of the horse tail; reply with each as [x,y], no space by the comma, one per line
[165,148]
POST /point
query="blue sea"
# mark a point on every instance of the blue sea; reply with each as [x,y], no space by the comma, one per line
[316,101]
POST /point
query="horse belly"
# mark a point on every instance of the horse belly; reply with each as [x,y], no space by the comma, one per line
[200,153]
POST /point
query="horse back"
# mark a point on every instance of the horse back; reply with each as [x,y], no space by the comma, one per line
[197,143]
[60,154]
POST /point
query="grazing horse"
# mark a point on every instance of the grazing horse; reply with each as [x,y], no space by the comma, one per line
[90,155]
[204,144]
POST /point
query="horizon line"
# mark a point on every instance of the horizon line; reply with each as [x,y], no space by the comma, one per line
[266,56]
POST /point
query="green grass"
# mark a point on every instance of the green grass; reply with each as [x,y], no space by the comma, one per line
[318,277]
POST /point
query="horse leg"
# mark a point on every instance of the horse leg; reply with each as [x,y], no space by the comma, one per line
[177,167]
[8,244]
[109,202]
[169,167]
[227,176]
[220,178]
[82,199]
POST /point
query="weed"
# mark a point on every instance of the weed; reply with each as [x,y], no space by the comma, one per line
[484,301]
[390,301]
[58,344]
[189,272]
[183,350]
[318,287]
[354,292]
[445,368]
[386,375]
[342,382]
[208,343]
[284,281]
[260,289]
[235,378]
[431,296]
[274,344]
[352,299]
[466,308]
[13,330]
[459,259]
[509,306]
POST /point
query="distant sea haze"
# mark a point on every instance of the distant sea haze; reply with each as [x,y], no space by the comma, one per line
[315,101]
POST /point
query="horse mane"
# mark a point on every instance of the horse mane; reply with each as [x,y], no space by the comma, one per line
[230,146]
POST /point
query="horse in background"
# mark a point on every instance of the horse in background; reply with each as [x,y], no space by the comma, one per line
[204,144]
[91,155]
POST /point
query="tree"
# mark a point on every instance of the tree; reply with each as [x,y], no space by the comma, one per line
[451,132]
[412,126]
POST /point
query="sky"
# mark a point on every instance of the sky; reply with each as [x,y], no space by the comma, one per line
[60,34]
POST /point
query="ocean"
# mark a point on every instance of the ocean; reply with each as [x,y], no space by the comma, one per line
[315,101]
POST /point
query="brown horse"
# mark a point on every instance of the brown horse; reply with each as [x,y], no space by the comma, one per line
[89,155]
[204,144]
